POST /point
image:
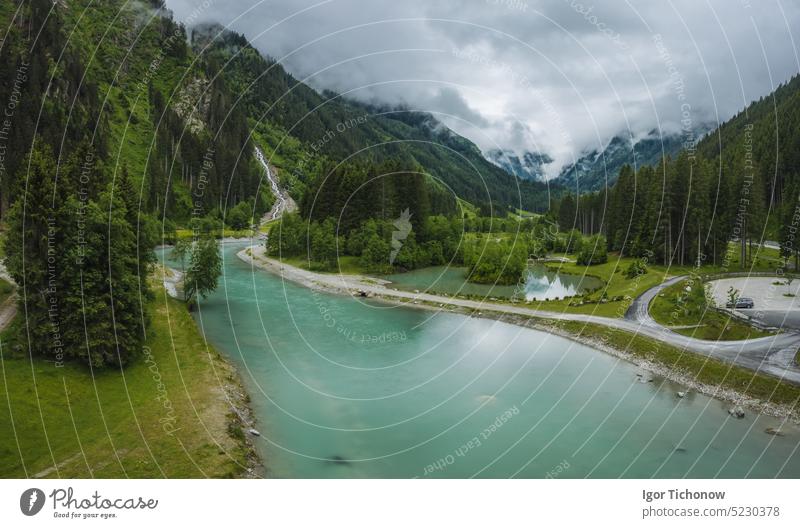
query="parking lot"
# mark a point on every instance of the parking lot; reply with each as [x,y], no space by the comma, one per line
[771,304]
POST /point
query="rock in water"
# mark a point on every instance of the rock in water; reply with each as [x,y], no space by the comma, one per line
[774,431]
[737,412]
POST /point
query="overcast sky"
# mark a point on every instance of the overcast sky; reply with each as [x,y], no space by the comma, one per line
[561,76]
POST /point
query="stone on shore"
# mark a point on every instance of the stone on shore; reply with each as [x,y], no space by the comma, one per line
[736,412]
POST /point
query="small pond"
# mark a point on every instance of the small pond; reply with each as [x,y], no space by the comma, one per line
[540,283]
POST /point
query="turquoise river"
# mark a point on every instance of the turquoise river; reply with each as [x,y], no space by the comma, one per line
[346,388]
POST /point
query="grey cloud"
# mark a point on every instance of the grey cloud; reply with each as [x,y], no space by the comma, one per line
[450,101]
[559,76]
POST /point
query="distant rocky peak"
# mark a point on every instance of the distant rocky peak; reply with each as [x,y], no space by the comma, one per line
[525,166]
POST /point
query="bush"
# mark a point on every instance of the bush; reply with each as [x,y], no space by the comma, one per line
[204,224]
[498,263]
[574,242]
[636,268]
[239,217]
[375,256]
[594,251]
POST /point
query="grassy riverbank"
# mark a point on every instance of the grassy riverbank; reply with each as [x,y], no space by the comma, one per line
[347,264]
[616,284]
[710,376]
[619,290]
[166,415]
[188,234]
[692,369]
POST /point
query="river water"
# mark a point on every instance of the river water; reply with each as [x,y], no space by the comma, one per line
[347,388]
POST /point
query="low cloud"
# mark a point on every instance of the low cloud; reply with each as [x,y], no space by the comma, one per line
[559,77]
[450,102]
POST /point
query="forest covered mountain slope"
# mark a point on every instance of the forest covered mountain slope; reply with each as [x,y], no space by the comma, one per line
[600,168]
[179,108]
[740,183]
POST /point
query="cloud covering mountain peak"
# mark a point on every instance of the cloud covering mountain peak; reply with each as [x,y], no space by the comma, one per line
[556,77]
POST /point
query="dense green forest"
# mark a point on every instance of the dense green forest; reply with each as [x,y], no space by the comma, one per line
[494,250]
[741,183]
[181,113]
[121,79]
[122,126]
[105,147]
[600,168]
[683,211]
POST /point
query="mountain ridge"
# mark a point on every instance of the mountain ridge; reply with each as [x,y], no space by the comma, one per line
[527,166]
[282,108]
[599,168]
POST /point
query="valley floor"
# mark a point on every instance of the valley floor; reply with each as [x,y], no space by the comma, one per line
[732,360]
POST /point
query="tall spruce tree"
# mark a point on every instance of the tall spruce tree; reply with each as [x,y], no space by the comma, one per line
[32,250]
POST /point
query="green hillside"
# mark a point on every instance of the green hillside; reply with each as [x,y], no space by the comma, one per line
[303,126]
[767,132]
[740,184]
[600,169]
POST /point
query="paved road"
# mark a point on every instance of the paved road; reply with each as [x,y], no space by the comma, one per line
[771,355]
[638,310]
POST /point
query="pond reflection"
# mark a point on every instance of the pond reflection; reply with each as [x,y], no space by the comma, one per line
[540,283]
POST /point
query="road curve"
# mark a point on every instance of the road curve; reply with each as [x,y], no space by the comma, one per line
[639,309]
[771,355]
